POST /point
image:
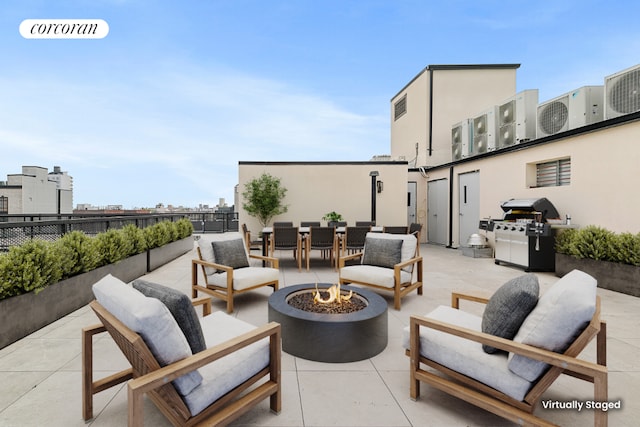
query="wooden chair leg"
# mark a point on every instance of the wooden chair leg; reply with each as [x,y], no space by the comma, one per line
[414,362]
[600,394]
[135,409]
[87,370]
[601,344]
[90,387]
[194,280]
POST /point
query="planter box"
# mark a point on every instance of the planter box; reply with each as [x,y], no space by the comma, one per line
[614,276]
[157,257]
[24,314]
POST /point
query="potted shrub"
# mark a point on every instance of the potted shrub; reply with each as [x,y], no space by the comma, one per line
[264,198]
[332,218]
[613,259]
[42,281]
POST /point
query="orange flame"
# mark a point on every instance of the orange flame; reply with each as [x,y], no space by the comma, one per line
[334,295]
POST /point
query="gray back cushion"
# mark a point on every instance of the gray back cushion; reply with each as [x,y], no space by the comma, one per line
[509,307]
[181,309]
[231,253]
[382,252]
[561,315]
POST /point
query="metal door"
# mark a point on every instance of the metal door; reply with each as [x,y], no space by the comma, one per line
[412,194]
[469,207]
[437,211]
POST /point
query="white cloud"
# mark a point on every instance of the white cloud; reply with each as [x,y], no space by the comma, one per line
[189,127]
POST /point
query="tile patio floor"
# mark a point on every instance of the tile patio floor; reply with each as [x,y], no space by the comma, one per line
[40,381]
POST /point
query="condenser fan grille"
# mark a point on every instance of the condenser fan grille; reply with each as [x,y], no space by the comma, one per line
[456,151]
[624,94]
[480,144]
[507,135]
[507,113]
[456,134]
[480,125]
[553,117]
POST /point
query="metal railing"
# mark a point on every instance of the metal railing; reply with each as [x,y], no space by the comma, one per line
[18,229]
[214,222]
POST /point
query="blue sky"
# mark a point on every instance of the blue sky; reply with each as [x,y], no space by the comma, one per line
[163,108]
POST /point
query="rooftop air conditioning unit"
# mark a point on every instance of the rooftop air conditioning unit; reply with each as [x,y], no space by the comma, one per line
[460,139]
[622,92]
[572,110]
[517,118]
[484,132]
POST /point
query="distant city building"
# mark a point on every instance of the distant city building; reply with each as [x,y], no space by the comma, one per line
[36,191]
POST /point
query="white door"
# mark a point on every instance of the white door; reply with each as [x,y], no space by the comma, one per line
[469,205]
[412,194]
[437,209]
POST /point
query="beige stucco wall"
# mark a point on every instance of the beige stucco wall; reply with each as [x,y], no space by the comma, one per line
[316,188]
[457,94]
[411,127]
[462,94]
[604,179]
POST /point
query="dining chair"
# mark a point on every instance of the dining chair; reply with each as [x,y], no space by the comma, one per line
[415,229]
[287,238]
[399,229]
[353,239]
[283,224]
[309,223]
[365,223]
[251,244]
[323,239]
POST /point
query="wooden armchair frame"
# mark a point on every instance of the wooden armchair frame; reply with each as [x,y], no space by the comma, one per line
[146,375]
[483,396]
[400,289]
[225,293]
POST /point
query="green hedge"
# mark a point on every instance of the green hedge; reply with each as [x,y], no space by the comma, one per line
[38,263]
[597,243]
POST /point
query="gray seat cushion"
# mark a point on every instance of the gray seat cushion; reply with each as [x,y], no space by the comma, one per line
[226,373]
[181,309]
[466,356]
[508,307]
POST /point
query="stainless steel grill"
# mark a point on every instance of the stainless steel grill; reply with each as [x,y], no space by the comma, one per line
[523,237]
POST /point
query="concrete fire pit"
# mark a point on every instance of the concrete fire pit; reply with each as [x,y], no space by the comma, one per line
[335,338]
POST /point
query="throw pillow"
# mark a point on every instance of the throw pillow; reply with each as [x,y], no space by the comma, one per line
[181,309]
[152,320]
[382,252]
[231,253]
[508,307]
[562,313]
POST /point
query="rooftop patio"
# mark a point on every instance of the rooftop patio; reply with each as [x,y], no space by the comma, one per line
[41,374]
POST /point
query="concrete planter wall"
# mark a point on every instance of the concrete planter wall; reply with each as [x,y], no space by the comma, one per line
[24,314]
[159,256]
[614,276]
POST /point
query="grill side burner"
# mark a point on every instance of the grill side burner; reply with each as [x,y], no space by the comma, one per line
[523,237]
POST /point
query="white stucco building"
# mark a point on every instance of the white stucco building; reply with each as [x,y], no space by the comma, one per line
[37,191]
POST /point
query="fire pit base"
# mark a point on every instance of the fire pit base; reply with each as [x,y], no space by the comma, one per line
[335,338]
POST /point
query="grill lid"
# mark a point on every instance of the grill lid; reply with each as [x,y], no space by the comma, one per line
[525,208]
